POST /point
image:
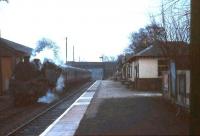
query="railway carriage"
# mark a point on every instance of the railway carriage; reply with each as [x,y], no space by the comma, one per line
[74,75]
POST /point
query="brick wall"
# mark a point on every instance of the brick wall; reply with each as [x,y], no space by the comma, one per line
[148,84]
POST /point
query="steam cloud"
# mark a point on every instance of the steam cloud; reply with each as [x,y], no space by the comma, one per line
[48,98]
[60,84]
[46,47]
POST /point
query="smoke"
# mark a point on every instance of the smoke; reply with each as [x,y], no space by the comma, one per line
[60,84]
[52,95]
[43,55]
[46,48]
[48,98]
[48,44]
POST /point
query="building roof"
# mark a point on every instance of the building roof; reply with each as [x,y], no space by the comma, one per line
[15,46]
[151,51]
[163,50]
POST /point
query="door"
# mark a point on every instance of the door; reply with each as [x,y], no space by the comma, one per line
[182,88]
[6,69]
[173,79]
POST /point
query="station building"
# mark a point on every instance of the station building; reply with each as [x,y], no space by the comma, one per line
[10,54]
[160,67]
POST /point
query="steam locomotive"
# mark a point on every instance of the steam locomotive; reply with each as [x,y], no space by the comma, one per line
[48,76]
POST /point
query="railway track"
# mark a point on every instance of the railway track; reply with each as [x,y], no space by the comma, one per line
[37,124]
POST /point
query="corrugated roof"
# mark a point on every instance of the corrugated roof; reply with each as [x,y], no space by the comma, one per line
[16,46]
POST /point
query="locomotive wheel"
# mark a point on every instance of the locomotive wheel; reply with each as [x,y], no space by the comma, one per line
[32,94]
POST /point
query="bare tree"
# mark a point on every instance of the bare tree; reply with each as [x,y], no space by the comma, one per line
[175,18]
[145,37]
[108,58]
[4,0]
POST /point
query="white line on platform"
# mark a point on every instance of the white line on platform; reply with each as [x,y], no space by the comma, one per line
[82,103]
[85,98]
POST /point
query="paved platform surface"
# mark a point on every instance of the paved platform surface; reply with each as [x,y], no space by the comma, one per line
[116,110]
[68,122]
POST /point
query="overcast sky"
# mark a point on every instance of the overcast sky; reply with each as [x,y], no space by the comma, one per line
[93,27]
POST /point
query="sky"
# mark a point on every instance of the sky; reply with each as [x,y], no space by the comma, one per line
[93,27]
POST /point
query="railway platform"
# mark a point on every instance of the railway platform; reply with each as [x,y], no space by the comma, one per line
[68,122]
[114,109]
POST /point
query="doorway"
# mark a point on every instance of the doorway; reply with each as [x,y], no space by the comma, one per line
[6,70]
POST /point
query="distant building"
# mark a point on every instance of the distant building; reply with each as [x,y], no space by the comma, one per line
[99,70]
[10,54]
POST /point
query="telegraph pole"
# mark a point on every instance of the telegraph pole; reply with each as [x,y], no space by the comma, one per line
[195,68]
[73,53]
[66,49]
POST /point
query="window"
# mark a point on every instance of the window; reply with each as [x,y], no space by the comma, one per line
[136,71]
[129,71]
